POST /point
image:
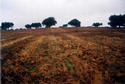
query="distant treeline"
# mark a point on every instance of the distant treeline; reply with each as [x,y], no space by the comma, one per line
[114,21]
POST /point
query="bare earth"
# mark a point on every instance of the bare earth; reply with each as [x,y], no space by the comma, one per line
[63,56]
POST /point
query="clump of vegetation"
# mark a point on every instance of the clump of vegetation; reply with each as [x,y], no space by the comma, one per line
[117,20]
[6,25]
[28,26]
[36,25]
[96,24]
[68,63]
[75,23]
[48,22]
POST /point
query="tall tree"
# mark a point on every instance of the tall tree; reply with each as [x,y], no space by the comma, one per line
[75,23]
[97,24]
[36,25]
[50,21]
[6,25]
[124,20]
[28,26]
[117,20]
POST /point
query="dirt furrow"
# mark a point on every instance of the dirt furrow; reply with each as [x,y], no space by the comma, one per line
[9,55]
[17,40]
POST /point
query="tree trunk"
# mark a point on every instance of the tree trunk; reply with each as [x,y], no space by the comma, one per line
[119,26]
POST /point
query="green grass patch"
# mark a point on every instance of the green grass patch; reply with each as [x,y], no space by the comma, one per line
[112,56]
[31,67]
[7,65]
[37,50]
[68,63]
[34,56]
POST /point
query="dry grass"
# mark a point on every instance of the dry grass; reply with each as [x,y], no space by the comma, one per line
[64,56]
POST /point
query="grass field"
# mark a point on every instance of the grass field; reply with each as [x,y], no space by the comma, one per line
[63,56]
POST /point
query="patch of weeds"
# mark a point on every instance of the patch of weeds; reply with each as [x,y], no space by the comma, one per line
[53,50]
[31,68]
[6,47]
[37,49]
[34,56]
[6,66]
[60,51]
[112,56]
[97,48]
[68,64]
[26,48]
[30,59]
[9,47]
[14,44]
[76,31]
[90,67]
[55,64]
[74,51]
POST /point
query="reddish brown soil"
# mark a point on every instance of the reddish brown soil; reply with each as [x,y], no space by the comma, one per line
[63,56]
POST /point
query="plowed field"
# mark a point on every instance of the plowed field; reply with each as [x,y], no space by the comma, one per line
[63,56]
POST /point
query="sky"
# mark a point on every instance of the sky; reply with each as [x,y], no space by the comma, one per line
[22,12]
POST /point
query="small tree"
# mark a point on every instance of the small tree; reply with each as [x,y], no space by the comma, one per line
[117,20]
[6,25]
[65,25]
[75,23]
[50,21]
[36,25]
[28,26]
[97,24]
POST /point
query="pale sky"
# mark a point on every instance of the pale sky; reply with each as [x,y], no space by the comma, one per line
[22,12]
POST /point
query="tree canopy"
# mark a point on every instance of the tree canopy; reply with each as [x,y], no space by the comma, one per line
[50,21]
[6,25]
[36,25]
[28,26]
[97,24]
[75,23]
[117,20]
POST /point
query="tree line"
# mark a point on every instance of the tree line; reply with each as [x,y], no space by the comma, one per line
[114,21]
